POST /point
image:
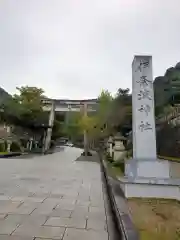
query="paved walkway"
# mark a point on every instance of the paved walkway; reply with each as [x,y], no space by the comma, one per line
[51,197]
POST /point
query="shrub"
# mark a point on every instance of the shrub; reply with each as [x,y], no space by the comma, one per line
[109,158]
[6,145]
[23,143]
[120,164]
[2,147]
[130,153]
[15,147]
[52,144]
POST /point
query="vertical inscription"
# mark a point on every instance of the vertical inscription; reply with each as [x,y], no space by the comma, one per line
[144,134]
[145,86]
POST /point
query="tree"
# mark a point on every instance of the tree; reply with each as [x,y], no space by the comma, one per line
[11,112]
[105,101]
[30,97]
[167,88]
[123,92]
[123,96]
[121,111]
[29,100]
[57,130]
[71,129]
[104,104]
[87,123]
[112,115]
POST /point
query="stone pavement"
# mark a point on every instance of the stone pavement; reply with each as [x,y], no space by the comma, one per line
[51,197]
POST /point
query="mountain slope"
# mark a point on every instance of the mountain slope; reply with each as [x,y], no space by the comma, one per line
[4,95]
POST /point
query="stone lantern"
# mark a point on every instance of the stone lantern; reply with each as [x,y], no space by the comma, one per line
[119,149]
[110,146]
[9,142]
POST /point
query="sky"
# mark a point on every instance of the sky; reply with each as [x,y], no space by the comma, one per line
[75,48]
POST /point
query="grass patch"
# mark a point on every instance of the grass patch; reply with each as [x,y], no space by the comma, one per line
[157,219]
[113,170]
[3,153]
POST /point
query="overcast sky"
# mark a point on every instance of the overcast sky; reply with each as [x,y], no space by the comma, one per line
[75,48]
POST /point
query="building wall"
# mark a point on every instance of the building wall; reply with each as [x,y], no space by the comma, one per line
[4,131]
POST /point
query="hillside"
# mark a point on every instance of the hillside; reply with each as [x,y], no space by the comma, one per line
[3,95]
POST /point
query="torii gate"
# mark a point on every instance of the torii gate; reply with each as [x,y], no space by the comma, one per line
[54,105]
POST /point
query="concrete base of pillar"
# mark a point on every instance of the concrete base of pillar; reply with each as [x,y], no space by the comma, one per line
[148,168]
[151,188]
[149,178]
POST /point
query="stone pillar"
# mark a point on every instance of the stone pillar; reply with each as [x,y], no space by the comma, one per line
[9,142]
[119,149]
[66,118]
[9,130]
[27,145]
[144,133]
[110,147]
[30,143]
[68,114]
[144,163]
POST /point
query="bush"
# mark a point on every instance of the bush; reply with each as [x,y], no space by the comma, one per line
[52,144]
[6,145]
[15,147]
[23,143]
[2,147]
[109,158]
[130,153]
[120,164]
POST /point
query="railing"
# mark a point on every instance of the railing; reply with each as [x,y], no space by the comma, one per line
[124,224]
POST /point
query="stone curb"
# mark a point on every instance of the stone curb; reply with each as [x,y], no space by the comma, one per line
[8,155]
[119,206]
[170,159]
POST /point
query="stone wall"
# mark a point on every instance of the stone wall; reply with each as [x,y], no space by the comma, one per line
[168,141]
